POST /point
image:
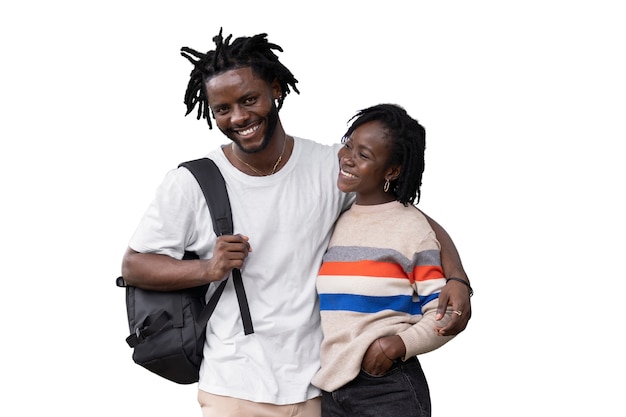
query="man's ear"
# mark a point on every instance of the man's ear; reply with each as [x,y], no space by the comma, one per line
[277,92]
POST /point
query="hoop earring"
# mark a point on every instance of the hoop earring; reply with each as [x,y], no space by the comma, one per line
[386,186]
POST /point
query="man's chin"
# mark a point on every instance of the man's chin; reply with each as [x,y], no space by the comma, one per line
[251,145]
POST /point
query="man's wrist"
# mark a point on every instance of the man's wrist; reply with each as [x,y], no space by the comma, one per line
[465,282]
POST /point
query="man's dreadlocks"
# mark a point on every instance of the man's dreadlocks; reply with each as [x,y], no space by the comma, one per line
[254,52]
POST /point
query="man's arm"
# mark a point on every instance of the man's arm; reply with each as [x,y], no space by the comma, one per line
[164,273]
[455,294]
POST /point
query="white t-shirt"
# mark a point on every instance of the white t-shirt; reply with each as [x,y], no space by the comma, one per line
[288,217]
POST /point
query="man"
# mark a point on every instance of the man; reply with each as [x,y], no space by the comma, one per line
[284,201]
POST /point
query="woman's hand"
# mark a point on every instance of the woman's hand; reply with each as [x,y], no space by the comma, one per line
[381,354]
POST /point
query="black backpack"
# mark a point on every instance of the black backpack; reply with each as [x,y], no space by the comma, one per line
[168,328]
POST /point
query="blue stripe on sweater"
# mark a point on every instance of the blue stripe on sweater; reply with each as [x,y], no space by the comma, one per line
[371,304]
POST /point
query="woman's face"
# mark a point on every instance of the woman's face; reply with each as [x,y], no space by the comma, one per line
[363,164]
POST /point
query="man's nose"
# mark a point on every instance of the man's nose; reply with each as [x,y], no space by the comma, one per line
[238,115]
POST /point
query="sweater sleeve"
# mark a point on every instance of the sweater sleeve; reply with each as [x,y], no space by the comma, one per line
[427,281]
[422,337]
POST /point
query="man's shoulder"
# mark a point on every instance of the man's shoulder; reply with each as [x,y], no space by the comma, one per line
[315,146]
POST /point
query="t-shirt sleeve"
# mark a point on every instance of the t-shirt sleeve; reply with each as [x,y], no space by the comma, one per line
[167,225]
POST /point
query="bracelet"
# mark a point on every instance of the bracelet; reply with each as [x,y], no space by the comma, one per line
[383,350]
[471,291]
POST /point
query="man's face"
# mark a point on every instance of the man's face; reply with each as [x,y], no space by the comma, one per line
[243,107]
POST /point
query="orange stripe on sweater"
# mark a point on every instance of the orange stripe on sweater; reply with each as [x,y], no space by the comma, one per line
[426,272]
[380,269]
[363,268]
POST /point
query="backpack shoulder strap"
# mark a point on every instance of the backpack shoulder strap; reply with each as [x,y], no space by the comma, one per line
[213,187]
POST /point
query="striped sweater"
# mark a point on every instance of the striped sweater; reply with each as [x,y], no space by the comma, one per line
[381,276]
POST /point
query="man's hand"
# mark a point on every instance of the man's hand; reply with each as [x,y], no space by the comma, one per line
[230,252]
[456,295]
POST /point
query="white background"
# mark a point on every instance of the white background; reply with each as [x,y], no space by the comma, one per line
[524,106]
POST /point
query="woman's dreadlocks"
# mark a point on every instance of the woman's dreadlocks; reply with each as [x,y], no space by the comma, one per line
[408,143]
[254,52]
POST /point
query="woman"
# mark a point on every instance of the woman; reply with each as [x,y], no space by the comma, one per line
[381,276]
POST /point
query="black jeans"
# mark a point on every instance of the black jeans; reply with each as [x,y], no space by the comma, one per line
[402,391]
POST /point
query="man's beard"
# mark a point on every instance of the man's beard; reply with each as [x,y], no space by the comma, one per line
[272,122]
